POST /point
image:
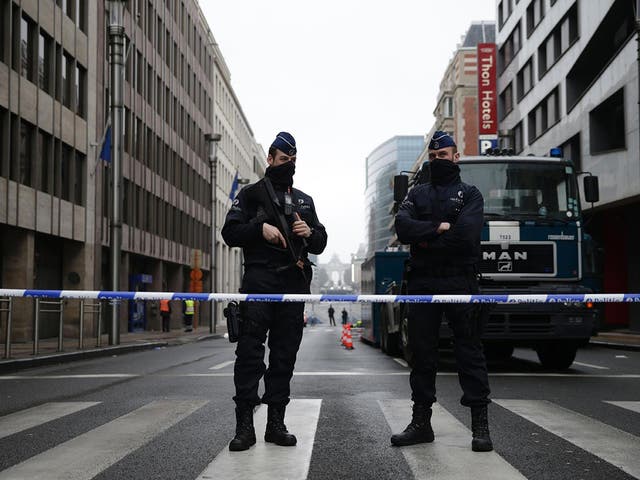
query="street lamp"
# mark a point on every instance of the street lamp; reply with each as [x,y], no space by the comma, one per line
[116,69]
[212,141]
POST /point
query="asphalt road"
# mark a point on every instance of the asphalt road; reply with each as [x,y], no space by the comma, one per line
[168,414]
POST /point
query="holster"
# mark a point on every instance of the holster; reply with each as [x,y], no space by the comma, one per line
[234,321]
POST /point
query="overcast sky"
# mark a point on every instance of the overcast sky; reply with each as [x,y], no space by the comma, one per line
[342,77]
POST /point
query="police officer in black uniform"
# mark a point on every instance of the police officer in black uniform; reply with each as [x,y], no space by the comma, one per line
[275,261]
[442,221]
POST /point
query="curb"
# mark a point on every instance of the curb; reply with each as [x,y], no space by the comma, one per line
[22,363]
[7,366]
[614,345]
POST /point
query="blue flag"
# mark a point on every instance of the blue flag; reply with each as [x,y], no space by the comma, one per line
[105,153]
[234,187]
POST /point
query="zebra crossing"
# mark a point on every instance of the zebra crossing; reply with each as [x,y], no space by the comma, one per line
[449,457]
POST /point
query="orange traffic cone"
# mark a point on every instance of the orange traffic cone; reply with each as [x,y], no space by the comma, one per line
[348,343]
[344,334]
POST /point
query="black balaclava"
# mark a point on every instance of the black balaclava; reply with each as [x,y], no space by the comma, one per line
[282,175]
[444,172]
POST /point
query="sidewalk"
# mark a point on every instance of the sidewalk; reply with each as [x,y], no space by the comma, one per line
[623,339]
[22,353]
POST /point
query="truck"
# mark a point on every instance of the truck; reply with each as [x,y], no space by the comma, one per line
[533,242]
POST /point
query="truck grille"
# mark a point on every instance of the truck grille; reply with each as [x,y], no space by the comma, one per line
[524,323]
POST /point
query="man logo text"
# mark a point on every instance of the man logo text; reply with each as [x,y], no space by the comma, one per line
[504,256]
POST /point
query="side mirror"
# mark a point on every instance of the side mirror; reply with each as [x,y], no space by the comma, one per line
[591,189]
[400,187]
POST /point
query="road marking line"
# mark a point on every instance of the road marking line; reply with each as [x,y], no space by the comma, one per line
[401,362]
[621,356]
[323,373]
[609,443]
[221,365]
[83,376]
[633,406]
[31,417]
[86,455]
[598,367]
[450,455]
[265,460]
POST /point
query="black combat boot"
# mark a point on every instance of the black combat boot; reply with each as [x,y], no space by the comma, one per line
[245,433]
[419,430]
[276,431]
[480,427]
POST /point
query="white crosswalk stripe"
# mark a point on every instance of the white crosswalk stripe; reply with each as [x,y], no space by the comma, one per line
[609,443]
[32,417]
[450,455]
[633,406]
[222,365]
[267,461]
[87,455]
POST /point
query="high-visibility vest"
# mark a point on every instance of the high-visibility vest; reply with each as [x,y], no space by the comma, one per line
[189,310]
[164,305]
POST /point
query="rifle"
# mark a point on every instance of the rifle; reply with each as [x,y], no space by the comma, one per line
[266,195]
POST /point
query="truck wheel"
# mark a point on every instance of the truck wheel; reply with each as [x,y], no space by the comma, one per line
[557,356]
[384,336]
[407,353]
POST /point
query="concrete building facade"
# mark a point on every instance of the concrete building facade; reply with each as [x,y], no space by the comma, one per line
[568,77]
[54,188]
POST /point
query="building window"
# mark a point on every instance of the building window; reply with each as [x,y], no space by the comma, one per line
[66,172]
[81,14]
[79,180]
[506,101]
[45,145]
[448,107]
[561,38]
[4,133]
[67,78]
[45,62]
[150,84]
[518,143]
[139,73]
[27,48]
[510,48]
[81,91]
[525,79]
[26,160]
[615,30]
[606,125]
[68,8]
[535,14]
[572,150]
[5,17]
[544,115]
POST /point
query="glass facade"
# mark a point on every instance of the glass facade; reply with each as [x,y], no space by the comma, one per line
[396,154]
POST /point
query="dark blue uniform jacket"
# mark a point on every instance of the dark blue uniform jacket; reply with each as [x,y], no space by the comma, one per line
[422,211]
[270,268]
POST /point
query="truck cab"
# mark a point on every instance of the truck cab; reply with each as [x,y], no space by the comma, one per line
[533,242]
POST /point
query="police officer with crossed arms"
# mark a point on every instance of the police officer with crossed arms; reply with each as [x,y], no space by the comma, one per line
[442,221]
[275,261]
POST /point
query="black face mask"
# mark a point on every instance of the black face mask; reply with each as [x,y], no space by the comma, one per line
[444,172]
[282,175]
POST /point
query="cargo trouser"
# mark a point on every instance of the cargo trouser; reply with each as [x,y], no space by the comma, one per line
[467,324]
[284,323]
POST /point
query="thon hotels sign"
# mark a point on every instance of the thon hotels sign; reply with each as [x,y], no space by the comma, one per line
[487,97]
